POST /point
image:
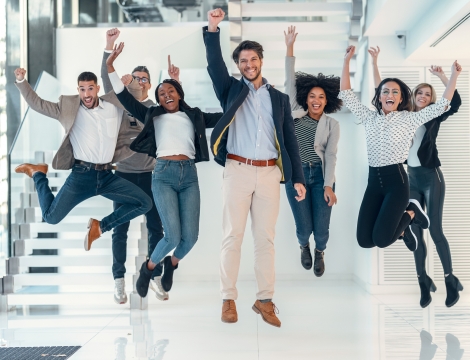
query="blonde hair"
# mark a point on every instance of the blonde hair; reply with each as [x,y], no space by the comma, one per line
[415,92]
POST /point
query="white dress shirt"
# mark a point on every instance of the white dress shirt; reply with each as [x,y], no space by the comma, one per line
[95,131]
[413,158]
[389,136]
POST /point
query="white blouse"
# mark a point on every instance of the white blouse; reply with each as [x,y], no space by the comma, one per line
[174,135]
[389,136]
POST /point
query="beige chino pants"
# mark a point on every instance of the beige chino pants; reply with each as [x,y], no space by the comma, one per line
[246,189]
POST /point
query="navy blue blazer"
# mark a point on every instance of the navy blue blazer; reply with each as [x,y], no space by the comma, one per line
[231,94]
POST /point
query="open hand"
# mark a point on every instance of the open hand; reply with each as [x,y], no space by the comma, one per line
[127,79]
[456,68]
[436,70]
[173,71]
[290,36]
[116,52]
[374,53]
[19,74]
[215,17]
[349,53]
[330,196]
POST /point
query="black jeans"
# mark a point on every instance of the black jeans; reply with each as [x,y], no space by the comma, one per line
[154,226]
[382,217]
[428,187]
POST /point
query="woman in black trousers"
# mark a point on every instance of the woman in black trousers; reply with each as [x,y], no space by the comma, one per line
[386,210]
[427,186]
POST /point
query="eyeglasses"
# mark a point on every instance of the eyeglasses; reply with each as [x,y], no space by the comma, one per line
[143,80]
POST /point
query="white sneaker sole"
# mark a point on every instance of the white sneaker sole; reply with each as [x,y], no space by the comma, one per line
[158,295]
[416,202]
[120,302]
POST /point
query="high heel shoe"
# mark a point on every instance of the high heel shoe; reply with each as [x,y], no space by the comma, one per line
[426,285]
[453,287]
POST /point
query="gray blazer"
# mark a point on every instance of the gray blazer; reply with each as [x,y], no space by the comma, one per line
[65,111]
[138,162]
[327,135]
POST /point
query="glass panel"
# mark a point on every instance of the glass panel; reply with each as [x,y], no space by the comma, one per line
[37,135]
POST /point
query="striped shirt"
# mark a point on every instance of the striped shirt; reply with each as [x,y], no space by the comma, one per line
[305,130]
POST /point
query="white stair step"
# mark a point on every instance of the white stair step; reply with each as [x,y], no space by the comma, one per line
[105,279]
[292,9]
[87,299]
[306,29]
[87,259]
[70,227]
[102,243]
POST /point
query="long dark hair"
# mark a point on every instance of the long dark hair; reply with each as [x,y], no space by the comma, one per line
[179,89]
[405,95]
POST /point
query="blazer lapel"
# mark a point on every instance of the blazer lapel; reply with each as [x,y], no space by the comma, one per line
[275,104]
[71,105]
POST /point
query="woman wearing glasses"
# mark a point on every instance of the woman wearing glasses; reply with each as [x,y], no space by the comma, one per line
[386,210]
[175,134]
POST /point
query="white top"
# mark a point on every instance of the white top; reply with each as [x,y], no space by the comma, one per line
[95,131]
[413,159]
[174,135]
[389,136]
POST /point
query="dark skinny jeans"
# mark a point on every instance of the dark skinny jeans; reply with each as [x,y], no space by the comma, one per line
[382,216]
[428,187]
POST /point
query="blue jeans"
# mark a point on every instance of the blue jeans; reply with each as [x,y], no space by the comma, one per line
[175,189]
[154,225]
[311,215]
[84,183]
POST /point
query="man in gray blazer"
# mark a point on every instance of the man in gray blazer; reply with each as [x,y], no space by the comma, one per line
[138,170]
[98,133]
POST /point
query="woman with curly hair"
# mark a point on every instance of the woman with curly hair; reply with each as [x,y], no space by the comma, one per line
[311,98]
[386,210]
[427,185]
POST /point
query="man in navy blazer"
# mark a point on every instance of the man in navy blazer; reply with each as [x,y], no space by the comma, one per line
[255,141]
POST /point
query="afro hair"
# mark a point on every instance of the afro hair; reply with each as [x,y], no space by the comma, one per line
[330,85]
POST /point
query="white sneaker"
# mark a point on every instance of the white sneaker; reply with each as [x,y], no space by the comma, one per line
[120,296]
[156,286]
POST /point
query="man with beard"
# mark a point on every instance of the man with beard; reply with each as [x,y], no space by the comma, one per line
[97,134]
[255,141]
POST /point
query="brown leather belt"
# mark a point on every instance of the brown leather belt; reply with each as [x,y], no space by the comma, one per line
[243,160]
[98,167]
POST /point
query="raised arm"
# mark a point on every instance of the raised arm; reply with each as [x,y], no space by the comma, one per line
[289,84]
[216,66]
[173,71]
[452,83]
[456,99]
[437,71]
[374,53]
[43,107]
[136,108]
[345,83]
[111,36]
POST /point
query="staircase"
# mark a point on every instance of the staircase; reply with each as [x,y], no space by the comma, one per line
[82,277]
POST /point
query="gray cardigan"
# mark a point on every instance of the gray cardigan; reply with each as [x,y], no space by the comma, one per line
[327,135]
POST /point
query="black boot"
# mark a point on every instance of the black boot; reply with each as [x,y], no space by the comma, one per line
[167,277]
[306,257]
[453,287]
[319,266]
[426,285]
[142,284]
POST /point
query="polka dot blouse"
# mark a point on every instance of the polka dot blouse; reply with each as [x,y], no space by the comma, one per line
[389,136]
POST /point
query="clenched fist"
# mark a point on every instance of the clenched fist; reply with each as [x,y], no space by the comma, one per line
[127,79]
[19,74]
[111,37]
[215,17]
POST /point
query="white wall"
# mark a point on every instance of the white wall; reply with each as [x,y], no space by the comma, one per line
[81,50]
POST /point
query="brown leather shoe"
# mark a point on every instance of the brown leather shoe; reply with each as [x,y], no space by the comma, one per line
[30,169]
[93,233]
[268,312]
[229,312]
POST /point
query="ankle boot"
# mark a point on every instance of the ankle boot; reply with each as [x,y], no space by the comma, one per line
[426,285]
[453,286]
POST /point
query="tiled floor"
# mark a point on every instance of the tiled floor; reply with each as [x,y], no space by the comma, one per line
[322,320]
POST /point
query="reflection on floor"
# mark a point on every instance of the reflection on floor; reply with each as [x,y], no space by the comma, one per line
[320,320]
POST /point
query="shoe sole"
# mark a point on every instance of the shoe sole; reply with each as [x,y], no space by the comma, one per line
[228,322]
[86,245]
[256,310]
[418,205]
[120,302]
[158,295]
[319,275]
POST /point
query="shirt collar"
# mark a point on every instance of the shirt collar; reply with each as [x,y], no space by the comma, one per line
[145,99]
[100,104]
[252,87]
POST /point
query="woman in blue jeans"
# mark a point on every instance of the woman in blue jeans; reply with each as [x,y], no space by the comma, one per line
[175,134]
[312,97]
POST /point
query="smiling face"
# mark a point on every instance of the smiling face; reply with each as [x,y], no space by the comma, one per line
[169,98]
[144,82]
[249,64]
[316,102]
[423,97]
[88,91]
[390,97]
